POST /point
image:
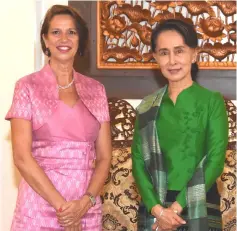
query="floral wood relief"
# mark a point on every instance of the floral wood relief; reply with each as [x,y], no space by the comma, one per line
[124,31]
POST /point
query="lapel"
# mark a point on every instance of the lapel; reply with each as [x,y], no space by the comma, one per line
[83,87]
[45,95]
[86,92]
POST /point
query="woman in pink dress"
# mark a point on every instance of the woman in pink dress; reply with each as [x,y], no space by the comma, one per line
[60,135]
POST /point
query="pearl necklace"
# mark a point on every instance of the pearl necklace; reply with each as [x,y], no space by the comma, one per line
[67,86]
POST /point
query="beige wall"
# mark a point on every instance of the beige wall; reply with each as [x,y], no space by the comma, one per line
[17,39]
[17,59]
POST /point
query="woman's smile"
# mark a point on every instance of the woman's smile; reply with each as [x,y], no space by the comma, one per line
[174,71]
[64,49]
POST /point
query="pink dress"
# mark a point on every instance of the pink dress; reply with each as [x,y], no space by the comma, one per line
[64,146]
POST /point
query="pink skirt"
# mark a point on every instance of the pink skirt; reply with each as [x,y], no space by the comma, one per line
[69,166]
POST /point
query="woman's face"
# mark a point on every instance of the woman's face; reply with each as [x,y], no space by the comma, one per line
[174,56]
[62,38]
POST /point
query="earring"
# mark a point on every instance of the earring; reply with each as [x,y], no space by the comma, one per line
[47,52]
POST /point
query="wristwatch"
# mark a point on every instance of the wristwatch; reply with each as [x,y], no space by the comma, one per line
[92,198]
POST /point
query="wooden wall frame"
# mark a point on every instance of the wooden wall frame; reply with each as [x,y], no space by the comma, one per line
[124,30]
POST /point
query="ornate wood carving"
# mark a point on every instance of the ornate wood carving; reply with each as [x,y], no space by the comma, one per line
[124,31]
[123,117]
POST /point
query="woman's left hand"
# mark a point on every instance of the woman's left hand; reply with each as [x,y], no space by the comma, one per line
[72,211]
[176,207]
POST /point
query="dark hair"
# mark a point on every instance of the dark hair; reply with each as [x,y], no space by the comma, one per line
[186,30]
[79,22]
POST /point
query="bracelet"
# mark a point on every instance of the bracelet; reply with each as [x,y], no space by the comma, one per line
[161,212]
[92,198]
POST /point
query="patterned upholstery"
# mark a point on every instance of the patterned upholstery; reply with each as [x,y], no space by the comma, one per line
[120,197]
[227,181]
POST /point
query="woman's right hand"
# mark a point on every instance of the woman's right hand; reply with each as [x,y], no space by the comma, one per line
[167,220]
[72,211]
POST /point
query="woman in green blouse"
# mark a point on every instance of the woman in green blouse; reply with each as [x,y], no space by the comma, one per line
[180,139]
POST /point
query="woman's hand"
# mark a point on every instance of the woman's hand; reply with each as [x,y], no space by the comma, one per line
[71,212]
[167,219]
[176,207]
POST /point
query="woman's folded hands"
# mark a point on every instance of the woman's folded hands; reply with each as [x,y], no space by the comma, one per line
[166,218]
[70,213]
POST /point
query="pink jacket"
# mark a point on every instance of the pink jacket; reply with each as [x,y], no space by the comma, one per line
[36,97]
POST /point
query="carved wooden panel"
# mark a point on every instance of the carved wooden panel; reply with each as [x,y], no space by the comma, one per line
[123,117]
[124,30]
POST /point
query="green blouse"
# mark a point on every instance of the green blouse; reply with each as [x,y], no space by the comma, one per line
[196,125]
